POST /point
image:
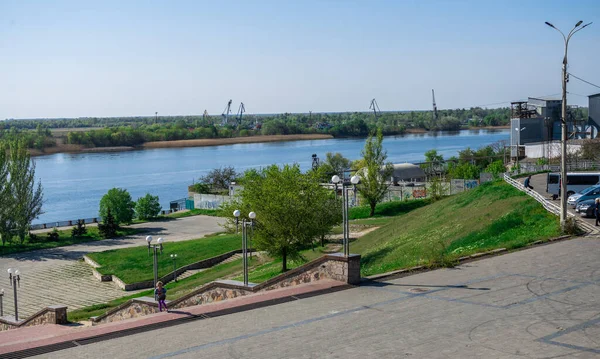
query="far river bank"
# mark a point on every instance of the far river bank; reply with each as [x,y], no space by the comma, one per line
[69,148]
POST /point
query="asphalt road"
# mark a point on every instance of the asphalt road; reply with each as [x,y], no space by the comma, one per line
[542,302]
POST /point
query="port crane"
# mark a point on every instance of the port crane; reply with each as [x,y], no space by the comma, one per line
[375,107]
[240,113]
[435,113]
[225,114]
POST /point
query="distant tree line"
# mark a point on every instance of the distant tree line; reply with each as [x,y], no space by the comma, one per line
[134,131]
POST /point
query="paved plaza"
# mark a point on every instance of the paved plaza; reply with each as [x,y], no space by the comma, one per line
[542,302]
[58,276]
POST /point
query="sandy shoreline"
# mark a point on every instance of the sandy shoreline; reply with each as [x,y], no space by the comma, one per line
[179,144]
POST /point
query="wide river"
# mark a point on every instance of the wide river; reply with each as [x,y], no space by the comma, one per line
[74,183]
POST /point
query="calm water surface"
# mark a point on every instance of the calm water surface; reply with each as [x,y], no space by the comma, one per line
[74,183]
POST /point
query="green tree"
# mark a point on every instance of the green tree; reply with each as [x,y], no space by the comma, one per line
[6,198]
[435,162]
[119,202]
[147,207]
[108,229]
[220,178]
[337,163]
[496,168]
[376,172]
[27,196]
[465,170]
[287,203]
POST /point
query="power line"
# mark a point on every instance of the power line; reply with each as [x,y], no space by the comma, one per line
[580,79]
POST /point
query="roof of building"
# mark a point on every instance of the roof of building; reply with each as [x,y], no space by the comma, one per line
[594,95]
[407,171]
[549,98]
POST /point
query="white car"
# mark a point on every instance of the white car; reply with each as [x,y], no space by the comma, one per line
[572,200]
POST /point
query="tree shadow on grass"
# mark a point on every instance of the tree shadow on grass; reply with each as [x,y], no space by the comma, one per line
[373,257]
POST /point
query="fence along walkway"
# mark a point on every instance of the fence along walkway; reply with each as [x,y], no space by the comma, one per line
[549,206]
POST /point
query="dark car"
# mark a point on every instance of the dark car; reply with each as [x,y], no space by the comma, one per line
[586,208]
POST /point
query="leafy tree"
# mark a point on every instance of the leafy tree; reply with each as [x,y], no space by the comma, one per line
[337,163]
[119,202]
[6,198]
[376,173]
[435,162]
[53,236]
[147,207]
[465,170]
[109,228]
[27,197]
[496,168]
[220,178]
[288,204]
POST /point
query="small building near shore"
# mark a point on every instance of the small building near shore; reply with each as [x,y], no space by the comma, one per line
[407,172]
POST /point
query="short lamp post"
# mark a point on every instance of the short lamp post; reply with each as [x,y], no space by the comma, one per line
[346,185]
[14,277]
[174,258]
[155,248]
[1,302]
[245,224]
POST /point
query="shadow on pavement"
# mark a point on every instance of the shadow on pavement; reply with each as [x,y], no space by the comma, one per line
[385,284]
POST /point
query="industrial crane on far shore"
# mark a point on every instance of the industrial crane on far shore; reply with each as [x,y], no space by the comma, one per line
[240,113]
[375,107]
[435,113]
[225,114]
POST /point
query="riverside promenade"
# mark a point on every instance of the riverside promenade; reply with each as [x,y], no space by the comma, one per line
[57,276]
[541,302]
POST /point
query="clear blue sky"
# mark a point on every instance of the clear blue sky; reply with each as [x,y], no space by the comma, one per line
[125,58]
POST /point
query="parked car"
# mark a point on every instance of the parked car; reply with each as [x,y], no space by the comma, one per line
[588,193]
[586,208]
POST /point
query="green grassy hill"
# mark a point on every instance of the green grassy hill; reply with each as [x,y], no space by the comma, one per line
[494,215]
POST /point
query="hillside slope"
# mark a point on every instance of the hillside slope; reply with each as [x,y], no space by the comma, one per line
[494,215]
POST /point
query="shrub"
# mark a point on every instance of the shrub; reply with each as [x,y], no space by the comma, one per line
[79,230]
[53,236]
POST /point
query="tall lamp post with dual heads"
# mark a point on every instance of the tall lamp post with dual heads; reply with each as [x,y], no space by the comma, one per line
[14,277]
[155,248]
[563,138]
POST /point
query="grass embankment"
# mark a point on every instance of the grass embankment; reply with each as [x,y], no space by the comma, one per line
[64,239]
[135,265]
[193,212]
[493,215]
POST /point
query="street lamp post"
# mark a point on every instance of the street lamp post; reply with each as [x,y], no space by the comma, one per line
[14,277]
[345,206]
[1,302]
[245,225]
[174,258]
[563,140]
[155,248]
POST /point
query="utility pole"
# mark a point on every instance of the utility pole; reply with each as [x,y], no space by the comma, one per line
[563,140]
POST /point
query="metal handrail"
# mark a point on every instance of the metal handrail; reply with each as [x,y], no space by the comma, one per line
[550,207]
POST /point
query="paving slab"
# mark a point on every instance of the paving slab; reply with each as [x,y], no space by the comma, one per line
[536,303]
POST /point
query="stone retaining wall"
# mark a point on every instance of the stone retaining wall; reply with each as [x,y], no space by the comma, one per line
[333,266]
[55,314]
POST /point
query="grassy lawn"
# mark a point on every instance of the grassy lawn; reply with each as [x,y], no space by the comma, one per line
[493,215]
[135,265]
[64,239]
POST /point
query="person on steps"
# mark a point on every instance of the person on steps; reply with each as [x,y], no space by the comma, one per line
[597,210]
[161,294]
[527,184]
